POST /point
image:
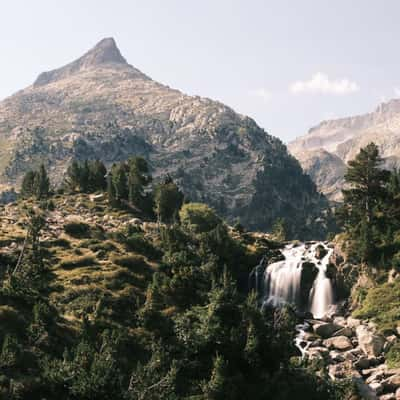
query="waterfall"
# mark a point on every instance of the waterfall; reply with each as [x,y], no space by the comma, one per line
[255,277]
[322,292]
[283,279]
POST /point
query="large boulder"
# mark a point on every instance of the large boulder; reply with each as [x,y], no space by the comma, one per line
[320,252]
[388,396]
[364,390]
[346,331]
[340,371]
[309,272]
[353,322]
[362,363]
[341,343]
[326,329]
[370,342]
[377,387]
[392,383]
[318,353]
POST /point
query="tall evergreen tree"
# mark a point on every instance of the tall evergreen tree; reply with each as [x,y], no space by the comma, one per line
[110,189]
[42,183]
[365,196]
[119,181]
[85,176]
[36,183]
[367,181]
[28,182]
[168,200]
[97,175]
[73,180]
[218,387]
[138,178]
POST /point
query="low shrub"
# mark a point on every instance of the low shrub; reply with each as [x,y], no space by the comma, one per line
[139,244]
[77,229]
[131,262]
[120,279]
[393,356]
[382,306]
[77,262]
[198,218]
[10,319]
[102,246]
[59,242]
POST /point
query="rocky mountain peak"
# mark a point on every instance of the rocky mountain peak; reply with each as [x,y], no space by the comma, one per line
[104,54]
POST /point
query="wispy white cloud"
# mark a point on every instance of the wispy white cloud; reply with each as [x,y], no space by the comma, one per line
[321,84]
[262,93]
[397,92]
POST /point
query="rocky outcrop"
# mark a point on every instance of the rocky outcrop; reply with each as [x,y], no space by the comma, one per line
[99,106]
[352,348]
[341,343]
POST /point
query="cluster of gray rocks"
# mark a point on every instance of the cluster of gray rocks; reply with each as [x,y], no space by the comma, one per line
[351,348]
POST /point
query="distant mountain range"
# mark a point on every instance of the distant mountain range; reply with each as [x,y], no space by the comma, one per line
[99,106]
[325,150]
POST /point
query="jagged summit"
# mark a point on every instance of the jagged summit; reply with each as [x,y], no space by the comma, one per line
[106,51]
[104,54]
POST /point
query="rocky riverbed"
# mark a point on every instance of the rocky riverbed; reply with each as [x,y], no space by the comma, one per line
[352,348]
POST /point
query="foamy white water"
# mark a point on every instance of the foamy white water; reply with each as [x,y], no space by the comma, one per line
[322,292]
[283,279]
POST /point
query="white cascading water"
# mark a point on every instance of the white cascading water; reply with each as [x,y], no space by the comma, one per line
[283,284]
[322,292]
[283,279]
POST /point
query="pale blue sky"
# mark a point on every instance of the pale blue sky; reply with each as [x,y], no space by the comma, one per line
[287,64]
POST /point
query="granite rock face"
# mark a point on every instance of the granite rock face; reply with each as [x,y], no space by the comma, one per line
[99,106]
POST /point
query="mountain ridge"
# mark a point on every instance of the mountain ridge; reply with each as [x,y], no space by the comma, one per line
[342,138]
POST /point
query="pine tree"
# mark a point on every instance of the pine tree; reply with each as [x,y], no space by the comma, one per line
[367,181]
[168,200]
[36,183]
[364,199]
[10,352]
[97,175]
[111,190]
[74,174]
[279,230]
[218,387]
[85,177]
[41,183]
[27,186]
[138,178]
[119,181]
